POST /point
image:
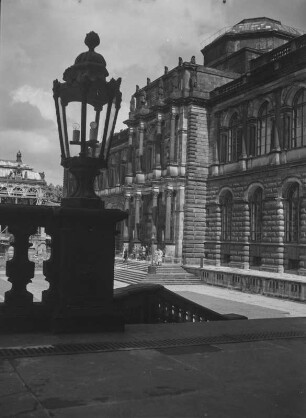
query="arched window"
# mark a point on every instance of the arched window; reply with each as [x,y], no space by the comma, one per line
[234,139]
[292,214]
[256,215]
[263,138]
[252,139]
[226,216]
[299,120]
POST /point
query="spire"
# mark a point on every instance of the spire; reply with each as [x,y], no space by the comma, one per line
[18,157]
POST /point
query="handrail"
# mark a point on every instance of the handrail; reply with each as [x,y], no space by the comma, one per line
[152,303]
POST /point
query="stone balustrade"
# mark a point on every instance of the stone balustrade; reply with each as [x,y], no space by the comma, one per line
[152,303]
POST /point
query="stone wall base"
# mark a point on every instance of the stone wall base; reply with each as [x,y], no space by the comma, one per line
[251,282]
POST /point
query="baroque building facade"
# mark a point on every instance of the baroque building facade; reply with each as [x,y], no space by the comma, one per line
[212,165]
[21,184]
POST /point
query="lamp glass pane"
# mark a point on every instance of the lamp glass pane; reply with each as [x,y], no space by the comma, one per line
[73,115]
[62,128]
[110,128]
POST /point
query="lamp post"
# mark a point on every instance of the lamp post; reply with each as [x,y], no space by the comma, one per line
[85,84]
[83,230]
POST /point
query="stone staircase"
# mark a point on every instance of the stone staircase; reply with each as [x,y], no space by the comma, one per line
[172,274]
[168,274]
[131,272]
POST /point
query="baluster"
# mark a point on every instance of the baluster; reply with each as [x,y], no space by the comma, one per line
[51,268]
[176,317]
[19,269]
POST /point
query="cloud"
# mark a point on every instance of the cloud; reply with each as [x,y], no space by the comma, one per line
[23,116]
[39,150]
[41,38]
[36,97]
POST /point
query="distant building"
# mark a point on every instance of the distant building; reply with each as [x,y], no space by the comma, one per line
[213,163]
[20,184]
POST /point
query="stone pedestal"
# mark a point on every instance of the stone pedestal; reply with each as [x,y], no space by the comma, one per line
[86,273]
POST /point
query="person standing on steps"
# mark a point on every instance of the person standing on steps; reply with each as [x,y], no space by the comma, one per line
[159,257]
[125,255]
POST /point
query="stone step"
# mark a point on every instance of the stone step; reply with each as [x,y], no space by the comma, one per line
[129,276]
[175,281]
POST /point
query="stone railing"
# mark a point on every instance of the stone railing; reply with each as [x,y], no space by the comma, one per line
[79,262]
[152,303]
[80,273]
[279,52]
[228,87]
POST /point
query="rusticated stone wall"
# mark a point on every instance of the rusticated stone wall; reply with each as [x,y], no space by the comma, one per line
[274,252]
[195,189]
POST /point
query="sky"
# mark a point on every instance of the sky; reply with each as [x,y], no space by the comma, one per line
[41,38]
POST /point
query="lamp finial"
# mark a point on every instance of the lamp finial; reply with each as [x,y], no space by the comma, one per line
[92,40]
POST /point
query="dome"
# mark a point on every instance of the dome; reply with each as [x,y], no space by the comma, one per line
[262,24]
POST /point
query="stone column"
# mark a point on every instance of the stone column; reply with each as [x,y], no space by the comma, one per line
[158,142]
[137,212]
[216,144]
[172,138]
[155,193]
[141,134]
[169,194]
[302,269]
[129,174]
[126,235]
[245,235]
[180,222]
[243,156]
[140,177]
[275,123]
[280,232]
[218,228]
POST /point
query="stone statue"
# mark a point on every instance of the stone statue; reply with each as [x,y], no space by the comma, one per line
[160,90]
[193,60]
[143,98]
[132,104]
[180,62]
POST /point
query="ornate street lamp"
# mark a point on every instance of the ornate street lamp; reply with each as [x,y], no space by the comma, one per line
[83,237]
[85,84]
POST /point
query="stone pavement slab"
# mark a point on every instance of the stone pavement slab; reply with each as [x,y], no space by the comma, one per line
[225,306]
[262,378]
[259,305]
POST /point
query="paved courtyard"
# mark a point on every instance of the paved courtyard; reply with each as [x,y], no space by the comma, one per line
[226,369]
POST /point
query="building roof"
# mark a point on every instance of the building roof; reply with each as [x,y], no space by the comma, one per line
[11,169]
[255,25]
[263,24]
